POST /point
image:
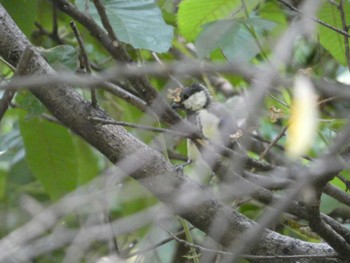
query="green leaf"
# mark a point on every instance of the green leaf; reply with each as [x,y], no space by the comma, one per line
[3,183]
[233,37]
[328,204]
[88,161]
[193,14]
[62,57]
[50,155]
[329,39]
[44,14]
[23,12]
[272,11]
[138,23]
[214,35]
[30,103]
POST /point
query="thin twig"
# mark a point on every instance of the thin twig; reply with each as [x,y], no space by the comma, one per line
[278,137]
[125,95]
[54,36]
[252,32]
[155,56]
[85,60]
[324,101]
[105,22]
[319,50]
[275,257]
[5,102]
[41,29]
[315,19]
[7,64]
[261,139]
[22,67]
[113,237]
[50,118]
[278,100]
[333,3]
[129,71]
[54,22]
[159,244]
[192,251]
[345,28]
[138,126]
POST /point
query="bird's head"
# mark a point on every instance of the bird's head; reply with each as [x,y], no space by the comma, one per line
[193,98]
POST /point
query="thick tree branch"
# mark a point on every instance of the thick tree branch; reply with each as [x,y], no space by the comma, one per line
[325,231]
[105,21]
[125,95]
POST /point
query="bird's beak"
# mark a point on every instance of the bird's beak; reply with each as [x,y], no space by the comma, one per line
[176,105]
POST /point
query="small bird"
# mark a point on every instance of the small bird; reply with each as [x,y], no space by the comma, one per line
[212,118]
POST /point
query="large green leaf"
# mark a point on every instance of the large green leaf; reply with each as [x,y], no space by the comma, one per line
[234,37]
[50,155]
[23,12]
[213,36]
[11,145]
[329,39]
[62,57]
[30,103]
[88,161]
[193,14]
[273,11]
[138,22]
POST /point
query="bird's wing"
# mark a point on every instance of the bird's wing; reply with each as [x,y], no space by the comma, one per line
[228,124]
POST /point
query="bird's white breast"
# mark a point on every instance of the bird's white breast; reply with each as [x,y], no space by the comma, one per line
[210,125]
[196,101]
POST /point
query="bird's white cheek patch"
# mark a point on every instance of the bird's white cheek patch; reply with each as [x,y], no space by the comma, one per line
[196,102]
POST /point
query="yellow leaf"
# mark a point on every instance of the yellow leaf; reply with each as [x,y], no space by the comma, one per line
[304,117]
